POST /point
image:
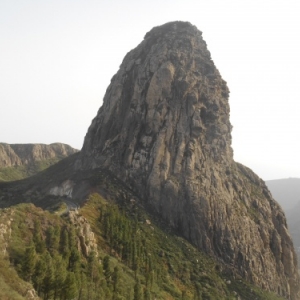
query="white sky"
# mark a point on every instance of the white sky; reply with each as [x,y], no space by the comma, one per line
[57,58]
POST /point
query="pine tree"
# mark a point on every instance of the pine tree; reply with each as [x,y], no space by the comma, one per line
[60,274]
[134,257]
[28,263]
[64,244]
[39,275]
[93,267]
[70,290]
[74,260]
[83,290]
[53,237]
[38,240]
[48,281]
[72,238]
[115,279]
[197,293]
[147,295]
[106,268]
[137,291]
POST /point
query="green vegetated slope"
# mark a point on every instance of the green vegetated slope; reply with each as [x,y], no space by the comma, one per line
[11,284]
[18,161]
[24,171]
[134,258]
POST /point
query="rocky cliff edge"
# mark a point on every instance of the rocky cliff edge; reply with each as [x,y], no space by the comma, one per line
[164,130]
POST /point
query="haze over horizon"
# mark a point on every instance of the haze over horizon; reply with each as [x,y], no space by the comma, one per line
[58,57]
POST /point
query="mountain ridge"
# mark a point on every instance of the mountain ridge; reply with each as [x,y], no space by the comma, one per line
[18,161]
[164,130]
[165,267]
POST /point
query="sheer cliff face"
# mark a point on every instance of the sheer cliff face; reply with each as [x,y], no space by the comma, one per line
[164,130]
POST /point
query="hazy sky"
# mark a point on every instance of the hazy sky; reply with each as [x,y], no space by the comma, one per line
[57,58]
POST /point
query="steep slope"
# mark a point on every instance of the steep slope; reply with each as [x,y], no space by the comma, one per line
[18,161]
[106,252]
[164,130]
[12,287]
[293,218]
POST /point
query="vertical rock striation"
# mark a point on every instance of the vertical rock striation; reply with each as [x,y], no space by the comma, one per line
[164,130]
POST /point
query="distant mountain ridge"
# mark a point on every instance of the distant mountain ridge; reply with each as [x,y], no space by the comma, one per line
[18,161]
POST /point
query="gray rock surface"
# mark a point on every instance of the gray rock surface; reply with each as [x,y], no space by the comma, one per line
[293,220]
[164,130]
[87,242]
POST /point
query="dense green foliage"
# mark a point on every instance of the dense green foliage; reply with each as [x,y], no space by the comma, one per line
[11,285]
[135,260]
[164,265]
[49,257]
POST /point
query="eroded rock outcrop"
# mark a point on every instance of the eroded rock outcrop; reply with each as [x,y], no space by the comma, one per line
[23,154]
[87,242]
[18,161]
[164,130]
[6,219]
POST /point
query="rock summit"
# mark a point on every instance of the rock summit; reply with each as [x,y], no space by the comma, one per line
[164,130]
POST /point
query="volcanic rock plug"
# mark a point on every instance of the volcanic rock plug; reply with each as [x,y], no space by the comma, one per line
[164,130]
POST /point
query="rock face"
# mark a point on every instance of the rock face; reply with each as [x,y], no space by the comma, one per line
[87,241]
[164,130]
[293,220]
[23,154]
[18,161]
[5,230]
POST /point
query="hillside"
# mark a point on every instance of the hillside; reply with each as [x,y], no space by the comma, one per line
[18,161]
[109,251]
